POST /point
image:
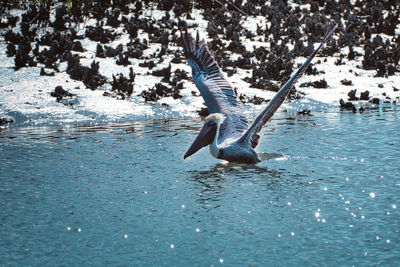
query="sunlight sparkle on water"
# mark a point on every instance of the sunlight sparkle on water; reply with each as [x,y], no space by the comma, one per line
[372,194]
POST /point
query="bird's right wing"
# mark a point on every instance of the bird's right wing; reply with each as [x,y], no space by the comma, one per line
[216,91]
[251,135]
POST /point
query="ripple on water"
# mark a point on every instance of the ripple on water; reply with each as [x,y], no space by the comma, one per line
[125,190]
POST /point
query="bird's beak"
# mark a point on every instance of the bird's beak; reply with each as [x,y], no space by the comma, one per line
[205,137]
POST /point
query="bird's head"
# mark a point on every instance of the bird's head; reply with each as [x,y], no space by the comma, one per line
[207,133]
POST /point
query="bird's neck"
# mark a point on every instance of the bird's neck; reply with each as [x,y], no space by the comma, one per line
[215,147]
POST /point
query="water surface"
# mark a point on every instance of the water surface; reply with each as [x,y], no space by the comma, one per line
[327,193]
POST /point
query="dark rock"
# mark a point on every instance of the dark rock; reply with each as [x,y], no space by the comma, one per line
[123,60]
[122,96]
[122,85]
[375,100]
[89,76]
[177,59]
[391,69]
[22,59]
[77,46]
[44,73]
[203,112]
[74,68]
[132,75]
[100,51]
[132,29]
[10,21]
[180,75]
[12,37]
[165,72]
[166,5]
[113,18]
[149,96]
[316,84]
[160,90]
[304,112]
[320,84]
[346,82]
[135,50]
[59,23]
[351,54]
[147,64]
[27,30]
[11,51]
[256,100]
[59,92]
[113,52]
[313,71]
[346,105]
[352,95]
[4,121]
[364,95]
[231,71]
[100,34]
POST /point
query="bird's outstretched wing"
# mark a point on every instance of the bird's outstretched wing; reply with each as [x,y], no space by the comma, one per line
[251,136]
[216,91]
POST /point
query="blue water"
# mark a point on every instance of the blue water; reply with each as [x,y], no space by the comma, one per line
[327,194]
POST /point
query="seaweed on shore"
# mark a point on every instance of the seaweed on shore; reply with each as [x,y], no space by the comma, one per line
[291,31]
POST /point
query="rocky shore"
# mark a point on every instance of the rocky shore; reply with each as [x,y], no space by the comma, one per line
[255,43]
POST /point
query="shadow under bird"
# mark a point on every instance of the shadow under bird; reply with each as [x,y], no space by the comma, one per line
[226,130]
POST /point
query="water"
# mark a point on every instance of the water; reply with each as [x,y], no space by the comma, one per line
[327,194]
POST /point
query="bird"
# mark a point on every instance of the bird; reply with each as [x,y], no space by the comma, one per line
[226,130]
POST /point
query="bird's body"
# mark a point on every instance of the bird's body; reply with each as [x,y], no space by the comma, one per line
[231,149]
[226,130]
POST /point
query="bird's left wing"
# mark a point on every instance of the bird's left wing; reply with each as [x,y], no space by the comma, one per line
[251,135]
[216,91]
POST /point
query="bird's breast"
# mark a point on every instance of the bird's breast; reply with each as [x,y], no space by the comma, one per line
[240,154]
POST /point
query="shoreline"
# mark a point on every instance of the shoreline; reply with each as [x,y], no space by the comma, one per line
[142,72]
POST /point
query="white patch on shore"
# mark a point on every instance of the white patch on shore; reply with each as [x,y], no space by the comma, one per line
[25,96]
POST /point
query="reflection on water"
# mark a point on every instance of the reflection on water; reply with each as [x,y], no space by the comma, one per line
[211,182]
[327,191]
